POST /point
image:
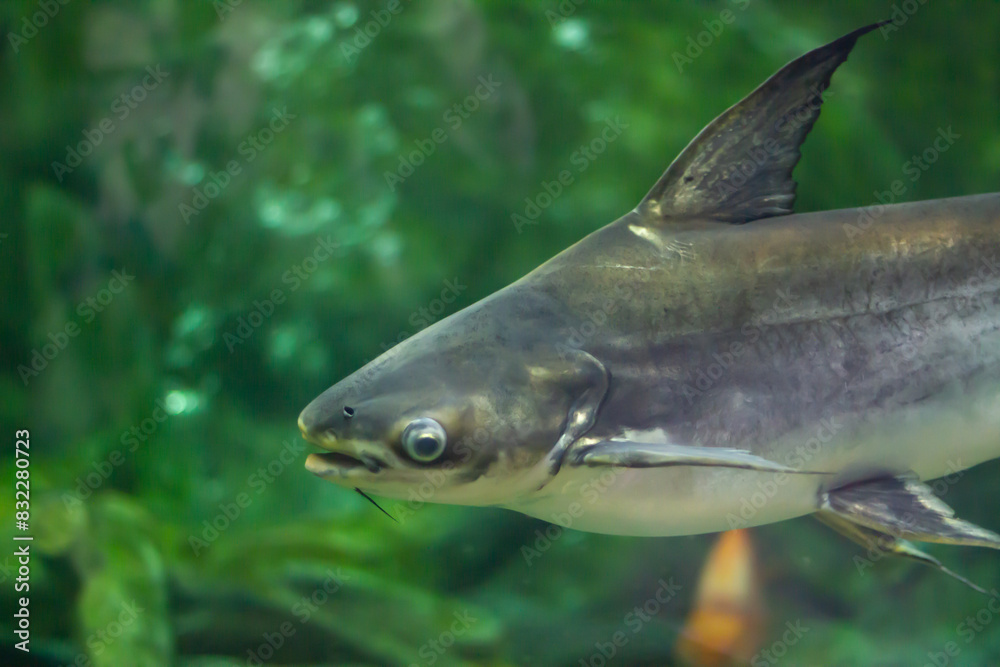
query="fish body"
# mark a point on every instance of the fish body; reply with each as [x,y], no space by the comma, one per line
[793,338]
[710,360]
[789,338]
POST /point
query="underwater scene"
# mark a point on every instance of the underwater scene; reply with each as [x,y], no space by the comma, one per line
[213,213]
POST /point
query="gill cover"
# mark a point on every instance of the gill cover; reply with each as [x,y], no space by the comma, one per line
[584,376]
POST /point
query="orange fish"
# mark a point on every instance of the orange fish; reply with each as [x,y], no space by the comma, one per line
[727,623]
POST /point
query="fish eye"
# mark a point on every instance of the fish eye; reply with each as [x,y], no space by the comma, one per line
[424,439]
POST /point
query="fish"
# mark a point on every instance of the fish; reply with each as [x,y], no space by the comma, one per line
[711,360]
[727,622]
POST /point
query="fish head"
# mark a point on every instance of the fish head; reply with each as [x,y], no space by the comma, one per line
[455,414]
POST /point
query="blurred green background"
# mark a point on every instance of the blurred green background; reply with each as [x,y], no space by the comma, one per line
[169,169]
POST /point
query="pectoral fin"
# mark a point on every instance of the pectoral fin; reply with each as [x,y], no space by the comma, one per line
[905,508]
[877,541]
[629,454]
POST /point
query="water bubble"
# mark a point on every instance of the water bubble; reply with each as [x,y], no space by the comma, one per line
[572,34]
[345,15]
[284,342]
[377,130]
[271,213]
[318,29]
[326,210]
[179,401]
[372,116]
[387,247]
[296,347]
[192,173]
[293,212]
[267,62]
[190,320]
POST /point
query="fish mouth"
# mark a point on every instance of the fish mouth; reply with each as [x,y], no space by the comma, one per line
[339,464]
[333,461]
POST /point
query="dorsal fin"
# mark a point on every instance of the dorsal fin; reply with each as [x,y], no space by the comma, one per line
[739,168]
